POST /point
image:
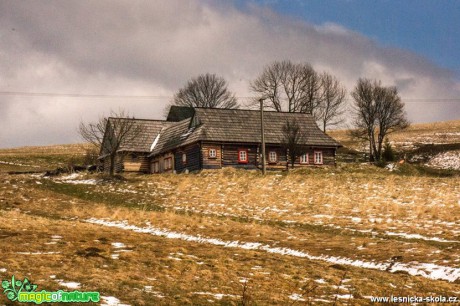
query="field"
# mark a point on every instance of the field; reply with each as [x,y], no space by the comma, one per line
[320,236]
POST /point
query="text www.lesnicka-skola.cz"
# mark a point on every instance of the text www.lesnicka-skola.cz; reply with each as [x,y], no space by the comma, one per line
[415,299]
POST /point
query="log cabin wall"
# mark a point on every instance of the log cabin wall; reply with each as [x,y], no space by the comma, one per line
[191,161]
[211,155]
[281,158]
[328,157]
[162,163]
[136,162]
[230,156]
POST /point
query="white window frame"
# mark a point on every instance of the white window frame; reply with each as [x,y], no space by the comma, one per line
[304,159]
[184,158]
[315,159]
[272,154]
[212,153]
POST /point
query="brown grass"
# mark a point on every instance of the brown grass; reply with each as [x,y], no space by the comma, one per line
[230,205]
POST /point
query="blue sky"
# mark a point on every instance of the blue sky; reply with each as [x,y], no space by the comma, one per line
[427,27]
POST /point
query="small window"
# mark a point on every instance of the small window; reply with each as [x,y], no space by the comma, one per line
[134,157]
[243,156]
[184,158]
[304,158]
[212,153]
[156,167]
[272,157]
[318,157]
[168,163]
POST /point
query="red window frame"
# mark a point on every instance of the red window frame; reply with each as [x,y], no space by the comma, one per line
[314,157]
[243,161]
[215,153]
[307,159]
[270,159]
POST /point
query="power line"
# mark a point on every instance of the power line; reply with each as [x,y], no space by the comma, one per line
[156,97]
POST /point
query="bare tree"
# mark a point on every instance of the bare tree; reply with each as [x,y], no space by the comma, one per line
[332,104]
[379,111]
[293,137]
[288,87]
[206,90]
[109,135]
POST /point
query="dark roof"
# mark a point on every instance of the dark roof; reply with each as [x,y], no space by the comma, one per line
[238,126]
[179,113]
[149,129]
[177,135]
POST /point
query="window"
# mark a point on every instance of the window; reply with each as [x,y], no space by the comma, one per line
[272,157]
[134,157]
[168,163]
[318,157]
[184,158]
[212,153]
[304,158]
[156,167]
[243,156]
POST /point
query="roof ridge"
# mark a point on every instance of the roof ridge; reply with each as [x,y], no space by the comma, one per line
[251,110]
[141,119]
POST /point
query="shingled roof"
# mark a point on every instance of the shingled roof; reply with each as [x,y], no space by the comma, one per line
[238,126]
[149,129]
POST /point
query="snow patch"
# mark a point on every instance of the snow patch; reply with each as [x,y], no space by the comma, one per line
[431,271]
[111,301]
[446,160]
[70,285]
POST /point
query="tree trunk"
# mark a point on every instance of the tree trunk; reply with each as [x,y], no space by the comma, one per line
[112,164]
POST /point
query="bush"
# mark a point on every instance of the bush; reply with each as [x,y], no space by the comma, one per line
[388,152]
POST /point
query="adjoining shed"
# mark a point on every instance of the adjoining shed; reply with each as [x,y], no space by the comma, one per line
[132,155]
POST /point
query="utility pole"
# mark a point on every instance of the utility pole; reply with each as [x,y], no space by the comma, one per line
[263,134]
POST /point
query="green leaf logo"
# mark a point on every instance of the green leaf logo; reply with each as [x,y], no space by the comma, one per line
[13,288]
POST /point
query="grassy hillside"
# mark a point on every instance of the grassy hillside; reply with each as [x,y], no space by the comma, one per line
[315,236]
[447,132]
[40,158]
[432,145]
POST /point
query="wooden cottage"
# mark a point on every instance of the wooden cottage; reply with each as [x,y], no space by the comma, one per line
[132,155]
[214,138]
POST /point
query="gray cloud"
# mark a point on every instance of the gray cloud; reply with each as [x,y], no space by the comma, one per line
[153,47]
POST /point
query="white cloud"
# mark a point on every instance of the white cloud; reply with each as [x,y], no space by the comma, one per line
[153,47]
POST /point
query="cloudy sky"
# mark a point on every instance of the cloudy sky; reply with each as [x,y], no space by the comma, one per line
[62,62]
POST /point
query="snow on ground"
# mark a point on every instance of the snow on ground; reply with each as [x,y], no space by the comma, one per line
[118,245]
[417,236]
[17,164]
[111,301]
[70,285]
[296,297]
[76,178]
[217,296]
[427,270]
[446,160]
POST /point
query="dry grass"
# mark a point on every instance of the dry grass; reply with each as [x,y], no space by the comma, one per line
[40,157]
[286,210]
[446,132]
